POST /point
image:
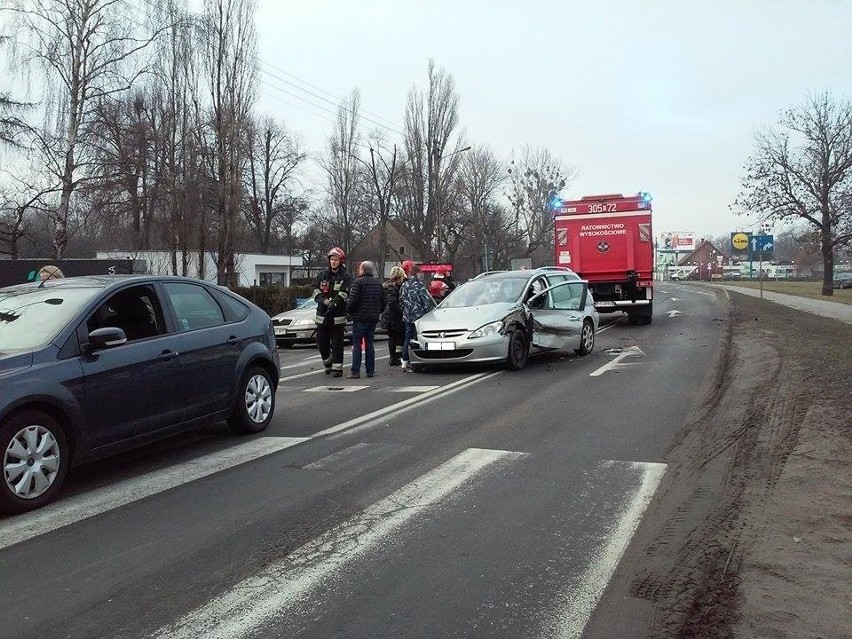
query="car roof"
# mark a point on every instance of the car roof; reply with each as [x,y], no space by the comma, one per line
[100,281]
[525,273]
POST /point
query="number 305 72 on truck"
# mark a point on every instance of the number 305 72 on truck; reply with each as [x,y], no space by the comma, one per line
[607,240]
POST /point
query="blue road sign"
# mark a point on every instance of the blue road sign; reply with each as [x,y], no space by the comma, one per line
[761,243]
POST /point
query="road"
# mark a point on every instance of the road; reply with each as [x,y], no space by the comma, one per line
[475,502]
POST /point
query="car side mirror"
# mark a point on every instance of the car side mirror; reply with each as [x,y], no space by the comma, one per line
[106,337]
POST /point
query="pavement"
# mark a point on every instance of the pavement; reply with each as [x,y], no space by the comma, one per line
[825,308]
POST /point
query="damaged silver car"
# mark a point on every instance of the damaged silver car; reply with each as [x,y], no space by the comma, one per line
[505,316]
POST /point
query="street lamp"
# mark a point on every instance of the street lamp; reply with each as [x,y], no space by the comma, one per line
[436,192]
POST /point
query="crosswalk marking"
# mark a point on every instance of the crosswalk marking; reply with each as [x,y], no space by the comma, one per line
[578,602]
[74,509]
[329,388]
[257,600]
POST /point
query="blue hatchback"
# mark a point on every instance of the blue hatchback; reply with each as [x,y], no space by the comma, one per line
[90,366]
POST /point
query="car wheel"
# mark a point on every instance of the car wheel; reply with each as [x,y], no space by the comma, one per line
[587,339]
[255,402]
[35,457]
[519,350]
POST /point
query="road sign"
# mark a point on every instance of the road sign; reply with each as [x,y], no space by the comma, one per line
[761,243]
[740,241]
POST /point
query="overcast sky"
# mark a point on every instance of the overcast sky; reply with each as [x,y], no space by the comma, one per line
[658,96]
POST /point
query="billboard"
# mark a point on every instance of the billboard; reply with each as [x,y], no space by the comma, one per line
[676,242]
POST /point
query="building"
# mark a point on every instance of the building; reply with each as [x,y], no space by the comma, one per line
[703,263]
[253,269]
[400,246]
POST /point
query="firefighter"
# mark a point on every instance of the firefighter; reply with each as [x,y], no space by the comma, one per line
[331,293]
[442,284]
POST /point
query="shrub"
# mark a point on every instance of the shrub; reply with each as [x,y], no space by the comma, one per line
[273,299]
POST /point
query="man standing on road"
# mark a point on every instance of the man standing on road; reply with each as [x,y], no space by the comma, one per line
[331,293]
[366,303]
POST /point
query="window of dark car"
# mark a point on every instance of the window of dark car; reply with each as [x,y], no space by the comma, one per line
[31,317]
[234,309]
[134,310]
[194,307]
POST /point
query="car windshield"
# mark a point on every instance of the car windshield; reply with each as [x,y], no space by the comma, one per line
[307,303]
[31,317]
[490,290]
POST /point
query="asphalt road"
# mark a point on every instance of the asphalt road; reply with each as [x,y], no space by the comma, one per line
[474,502]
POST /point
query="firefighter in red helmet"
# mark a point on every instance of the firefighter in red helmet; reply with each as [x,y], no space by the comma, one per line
[331,293]
[442,284]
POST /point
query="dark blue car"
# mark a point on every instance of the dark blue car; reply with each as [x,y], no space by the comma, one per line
[90,366]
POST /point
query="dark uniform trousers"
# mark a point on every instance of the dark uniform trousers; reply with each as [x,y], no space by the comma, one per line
[330,344]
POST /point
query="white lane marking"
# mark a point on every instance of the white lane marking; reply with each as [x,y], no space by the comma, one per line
[346,364]
[256,600]
[383,413]
[674,313]
[74,509]
[581,601]
[411,389]
[631,351]
[703,293]
[331,388]
[330,461]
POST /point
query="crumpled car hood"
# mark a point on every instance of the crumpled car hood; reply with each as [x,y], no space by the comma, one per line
[464,317]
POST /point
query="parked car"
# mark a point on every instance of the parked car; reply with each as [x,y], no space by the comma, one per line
[297,326]
[843,280]
[90,366]
[504,316]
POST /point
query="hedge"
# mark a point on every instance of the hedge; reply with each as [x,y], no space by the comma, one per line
[273,299]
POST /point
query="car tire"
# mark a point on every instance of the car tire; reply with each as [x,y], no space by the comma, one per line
[255,402]
[587,339]
[35,455]
[519,350]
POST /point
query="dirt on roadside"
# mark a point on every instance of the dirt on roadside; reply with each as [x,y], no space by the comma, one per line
[752,532]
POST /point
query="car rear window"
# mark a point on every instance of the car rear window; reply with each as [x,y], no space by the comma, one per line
[30,318]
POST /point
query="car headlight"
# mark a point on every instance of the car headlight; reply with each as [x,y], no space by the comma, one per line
[303,322]
[492,328]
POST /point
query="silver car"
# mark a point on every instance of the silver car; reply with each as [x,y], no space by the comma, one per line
[298,325]
[504,316]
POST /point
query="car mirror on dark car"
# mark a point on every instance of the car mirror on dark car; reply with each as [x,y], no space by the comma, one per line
[106,337]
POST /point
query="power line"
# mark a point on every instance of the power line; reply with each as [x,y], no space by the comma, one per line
[338,99]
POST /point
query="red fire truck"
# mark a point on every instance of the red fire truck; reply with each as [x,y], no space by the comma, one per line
[607,240]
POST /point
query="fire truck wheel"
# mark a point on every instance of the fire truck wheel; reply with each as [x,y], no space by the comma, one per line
[519,349]
[587,339]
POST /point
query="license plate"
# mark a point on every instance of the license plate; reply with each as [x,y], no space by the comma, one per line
[604,304]
[280,331]
[440,346]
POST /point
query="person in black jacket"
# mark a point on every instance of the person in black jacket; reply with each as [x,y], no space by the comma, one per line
[331,293]
[393,322]
[366,303]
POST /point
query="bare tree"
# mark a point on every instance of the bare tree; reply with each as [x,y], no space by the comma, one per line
[231,65]
[341,167]
[274,157]
[85,48]
[431,120]
[804,171]
[535,179]
[490,229]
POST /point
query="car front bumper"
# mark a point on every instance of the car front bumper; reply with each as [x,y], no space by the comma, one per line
[426,351]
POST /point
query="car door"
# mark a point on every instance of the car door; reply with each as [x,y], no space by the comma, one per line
[132,389]
[211,348]
[558,314]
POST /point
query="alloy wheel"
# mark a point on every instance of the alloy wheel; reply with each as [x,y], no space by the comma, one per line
[258,398]
[31,462]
